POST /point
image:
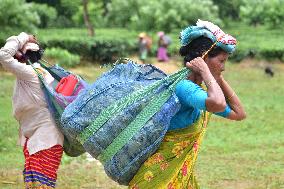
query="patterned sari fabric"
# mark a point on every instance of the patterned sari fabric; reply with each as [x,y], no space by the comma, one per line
[171,167]
[41,168]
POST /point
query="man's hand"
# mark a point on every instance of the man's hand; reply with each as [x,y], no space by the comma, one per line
[32,39]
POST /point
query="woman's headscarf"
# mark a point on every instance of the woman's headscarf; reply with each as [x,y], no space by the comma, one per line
[211,31]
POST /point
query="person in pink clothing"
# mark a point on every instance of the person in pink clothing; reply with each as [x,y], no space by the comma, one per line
[163,43]
[38,135]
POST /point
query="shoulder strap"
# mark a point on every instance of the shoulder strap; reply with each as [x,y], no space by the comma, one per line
[54,75]
[39,74]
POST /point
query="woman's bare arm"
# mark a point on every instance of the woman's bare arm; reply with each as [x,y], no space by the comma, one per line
[238,112]
[216,101]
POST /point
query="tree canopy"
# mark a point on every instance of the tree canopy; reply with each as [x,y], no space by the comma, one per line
[151,15]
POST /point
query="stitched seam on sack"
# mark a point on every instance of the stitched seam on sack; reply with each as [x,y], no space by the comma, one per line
[143,152]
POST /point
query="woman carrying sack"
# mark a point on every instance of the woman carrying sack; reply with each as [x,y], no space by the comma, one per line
[171,166]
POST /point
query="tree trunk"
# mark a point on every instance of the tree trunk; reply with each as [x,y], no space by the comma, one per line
[87,19]
[105,3]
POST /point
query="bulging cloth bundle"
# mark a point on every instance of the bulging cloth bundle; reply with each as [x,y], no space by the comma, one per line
[122,118]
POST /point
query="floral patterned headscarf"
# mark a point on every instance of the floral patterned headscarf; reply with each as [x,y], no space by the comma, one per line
[211,31]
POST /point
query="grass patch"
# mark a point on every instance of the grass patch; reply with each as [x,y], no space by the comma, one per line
[247,154]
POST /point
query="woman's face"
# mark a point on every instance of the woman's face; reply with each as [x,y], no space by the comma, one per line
[217,64]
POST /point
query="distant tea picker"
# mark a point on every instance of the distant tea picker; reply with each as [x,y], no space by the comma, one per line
[145,126]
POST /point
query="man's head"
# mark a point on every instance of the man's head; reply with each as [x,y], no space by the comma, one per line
[31,52]
[142,35]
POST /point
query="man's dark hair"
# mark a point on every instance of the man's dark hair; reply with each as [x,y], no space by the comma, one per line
[34,56]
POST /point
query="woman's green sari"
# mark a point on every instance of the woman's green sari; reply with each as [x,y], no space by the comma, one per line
[172,165]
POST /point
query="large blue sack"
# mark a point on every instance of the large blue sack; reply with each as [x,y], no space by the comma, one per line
[112,86]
